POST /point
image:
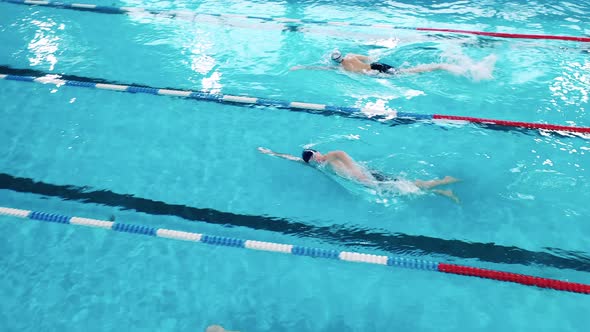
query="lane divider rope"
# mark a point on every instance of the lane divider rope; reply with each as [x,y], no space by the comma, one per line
[357,257]
[294,105]
[192,15]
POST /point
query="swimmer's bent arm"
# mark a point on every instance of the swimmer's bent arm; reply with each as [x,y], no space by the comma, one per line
[360,57]
[282,155]
[341,156]
[350,165]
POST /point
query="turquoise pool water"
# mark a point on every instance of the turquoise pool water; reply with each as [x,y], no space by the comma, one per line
[191,165]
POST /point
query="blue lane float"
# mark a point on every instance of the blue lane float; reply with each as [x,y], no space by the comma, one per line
[376,114]
[391,261]
[92,83]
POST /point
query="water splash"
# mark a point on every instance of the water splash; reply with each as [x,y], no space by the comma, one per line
[461,64]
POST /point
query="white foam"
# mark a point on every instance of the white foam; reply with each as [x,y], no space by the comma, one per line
[50,80]
[378,107]
[525,197]
[409,94]
[388,43]
[484,69]
[460,64]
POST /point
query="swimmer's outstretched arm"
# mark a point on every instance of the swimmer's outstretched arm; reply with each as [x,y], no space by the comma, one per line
[313,68]
[282,155]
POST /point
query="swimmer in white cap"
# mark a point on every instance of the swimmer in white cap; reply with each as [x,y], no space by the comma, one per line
[363,64]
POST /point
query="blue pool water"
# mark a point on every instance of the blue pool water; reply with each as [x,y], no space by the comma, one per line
[194,166]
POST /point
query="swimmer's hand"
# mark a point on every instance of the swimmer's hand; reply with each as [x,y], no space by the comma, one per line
[276,154]
[264,150]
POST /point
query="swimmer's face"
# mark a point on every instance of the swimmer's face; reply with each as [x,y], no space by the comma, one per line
[311,156]
[317,157]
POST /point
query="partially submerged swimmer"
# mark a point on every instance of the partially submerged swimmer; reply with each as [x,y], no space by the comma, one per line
[217,328]
[343,165]
[363,64]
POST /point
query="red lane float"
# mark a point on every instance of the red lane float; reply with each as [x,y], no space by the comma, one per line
[509,35]
[514,277]
[518,124]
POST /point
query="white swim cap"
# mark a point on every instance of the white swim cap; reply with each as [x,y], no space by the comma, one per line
[337,56]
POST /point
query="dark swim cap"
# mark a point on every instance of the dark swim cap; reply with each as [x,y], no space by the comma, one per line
[306,154]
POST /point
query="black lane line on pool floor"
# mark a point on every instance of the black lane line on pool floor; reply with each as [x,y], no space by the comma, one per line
[7,70]
[336,234]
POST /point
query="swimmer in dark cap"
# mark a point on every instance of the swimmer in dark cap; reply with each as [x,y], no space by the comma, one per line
[343,165]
